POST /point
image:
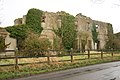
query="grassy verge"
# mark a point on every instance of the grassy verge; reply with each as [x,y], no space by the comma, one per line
[8,72]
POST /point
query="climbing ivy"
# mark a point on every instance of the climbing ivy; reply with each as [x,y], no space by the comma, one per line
[68,31]
[94,34]
[111,38]
[33,19]
[33,23]
[18,31]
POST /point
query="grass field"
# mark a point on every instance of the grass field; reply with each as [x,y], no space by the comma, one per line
[7,72]
[55,59]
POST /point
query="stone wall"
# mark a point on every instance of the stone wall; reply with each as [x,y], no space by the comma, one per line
[8,40]
[49,22]
[102,33]
[84,26]
[20,20]
[11,41]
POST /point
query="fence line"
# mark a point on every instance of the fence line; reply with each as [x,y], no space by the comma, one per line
[71,53]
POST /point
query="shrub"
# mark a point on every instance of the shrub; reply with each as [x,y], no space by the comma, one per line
[34,42]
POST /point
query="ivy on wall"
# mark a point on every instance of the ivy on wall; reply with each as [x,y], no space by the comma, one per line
[33,23]
[111,41]
[33,19]
[94,34]
[67,32]
[18,31]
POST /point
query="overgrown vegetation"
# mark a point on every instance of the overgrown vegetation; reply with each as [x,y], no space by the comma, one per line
[56,43]
[33,23]
[116,41]
[113,39]
[27,70]
[33,19]
[67,32]
[18,31]
[34,42]
[94,34]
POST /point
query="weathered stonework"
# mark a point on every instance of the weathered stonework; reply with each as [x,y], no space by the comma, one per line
[84,26]
[102,33]
[8,40]
[20,20]
[49,22]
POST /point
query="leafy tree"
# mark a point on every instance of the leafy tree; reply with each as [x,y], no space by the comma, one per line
[33,19]
[34,42]
[110,43]
[56,43]
[33,23]
[68,31]
[18,31]
[114,42]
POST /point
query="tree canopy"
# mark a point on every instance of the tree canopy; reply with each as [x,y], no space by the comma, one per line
[18,31]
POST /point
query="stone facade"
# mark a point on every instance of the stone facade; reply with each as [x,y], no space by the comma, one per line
[20,20]
[50,21]
[84,34]
[102,29]
[8,40]
[84,26]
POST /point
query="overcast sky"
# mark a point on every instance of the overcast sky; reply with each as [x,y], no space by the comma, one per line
[102,10]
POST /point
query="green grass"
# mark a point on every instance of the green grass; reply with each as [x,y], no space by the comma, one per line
[8,72]
[33,60]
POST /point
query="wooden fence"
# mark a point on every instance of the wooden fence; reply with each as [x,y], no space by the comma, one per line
[70,53]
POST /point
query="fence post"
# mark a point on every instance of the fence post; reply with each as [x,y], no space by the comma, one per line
[71,54]
[112,53]
[48,56]
[16,59]
[88,54]
[101,54]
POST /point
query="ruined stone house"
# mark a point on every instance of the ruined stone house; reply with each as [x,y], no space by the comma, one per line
[84,27]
